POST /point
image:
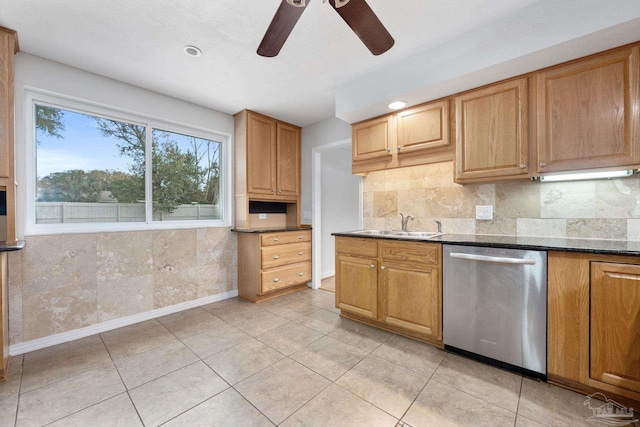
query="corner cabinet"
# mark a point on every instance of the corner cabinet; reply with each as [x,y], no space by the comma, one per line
[491,133]
[392,285]
[588,114]
[594,324]
[272,264]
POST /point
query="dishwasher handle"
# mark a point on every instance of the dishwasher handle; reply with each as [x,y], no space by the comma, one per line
[494,259]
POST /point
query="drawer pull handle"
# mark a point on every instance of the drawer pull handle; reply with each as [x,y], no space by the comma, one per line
[275,239]
[300,253]
[300,237]
[276,280]
[300,274]
[276,257]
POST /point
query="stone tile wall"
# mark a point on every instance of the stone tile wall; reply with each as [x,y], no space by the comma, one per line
[63,282]
[604,209]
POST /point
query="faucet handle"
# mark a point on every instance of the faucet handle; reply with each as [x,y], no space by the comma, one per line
[439,226]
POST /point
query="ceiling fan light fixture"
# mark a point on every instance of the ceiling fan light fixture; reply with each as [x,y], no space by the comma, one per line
[297,3]
[340,3]
[396,105]
[192,51]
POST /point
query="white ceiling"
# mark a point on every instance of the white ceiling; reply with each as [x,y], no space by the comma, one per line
[140,42]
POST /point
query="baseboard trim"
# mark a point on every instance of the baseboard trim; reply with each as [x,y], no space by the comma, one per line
[51,340]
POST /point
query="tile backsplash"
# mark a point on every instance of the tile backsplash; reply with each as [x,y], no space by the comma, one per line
[604,209]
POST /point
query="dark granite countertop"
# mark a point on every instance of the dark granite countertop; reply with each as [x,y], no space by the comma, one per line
[269,230]
[600,246]
[4,247]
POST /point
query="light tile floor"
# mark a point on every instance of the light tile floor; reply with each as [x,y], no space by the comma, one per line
[291,361]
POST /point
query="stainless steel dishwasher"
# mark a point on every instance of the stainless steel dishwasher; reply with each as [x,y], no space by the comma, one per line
[495,305]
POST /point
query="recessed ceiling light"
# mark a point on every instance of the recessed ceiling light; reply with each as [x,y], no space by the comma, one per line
[192,51]
[396,105]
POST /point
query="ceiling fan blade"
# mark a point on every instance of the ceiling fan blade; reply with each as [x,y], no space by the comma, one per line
[364,22]
[281,26]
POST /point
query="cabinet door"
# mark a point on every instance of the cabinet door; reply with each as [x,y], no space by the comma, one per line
[261,154]
[357,285]
[585,113]
[288,160]
[615,324]
[412,299]
[491,132]
[371,140]
[423,128]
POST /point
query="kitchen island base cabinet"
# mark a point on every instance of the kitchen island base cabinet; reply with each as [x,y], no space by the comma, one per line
[272,264]
[392,285]
[594,324]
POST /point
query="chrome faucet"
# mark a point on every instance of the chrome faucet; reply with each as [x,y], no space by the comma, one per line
[405,220]
[439,226]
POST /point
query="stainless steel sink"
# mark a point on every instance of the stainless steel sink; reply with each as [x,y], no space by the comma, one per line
[400,234]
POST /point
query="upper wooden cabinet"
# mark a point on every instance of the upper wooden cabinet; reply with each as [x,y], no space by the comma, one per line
[287,160]
[423,128]
[491,132]
[261,154]
[8,48]
[411,137]
[271,150]
[372,140]
[588,113]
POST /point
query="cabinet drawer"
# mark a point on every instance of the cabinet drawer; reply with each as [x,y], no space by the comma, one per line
[274,256]
[413,254]
[269,239]
[356,246]
[285,276]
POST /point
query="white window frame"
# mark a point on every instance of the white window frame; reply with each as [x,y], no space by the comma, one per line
[34,97]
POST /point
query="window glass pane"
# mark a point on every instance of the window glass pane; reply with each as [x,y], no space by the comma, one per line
[88,169]
[186,177]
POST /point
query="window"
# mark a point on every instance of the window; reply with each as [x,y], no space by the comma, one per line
[97,166]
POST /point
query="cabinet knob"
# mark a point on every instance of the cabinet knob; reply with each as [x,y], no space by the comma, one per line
[276,257]
[275,239]
[399,148]
[279,191]
[523,166]
[301,237]
[301,274]
[276,280]
[300,253]
[382,267]
[273,190]
[542,164]
[372,266]
[388,150]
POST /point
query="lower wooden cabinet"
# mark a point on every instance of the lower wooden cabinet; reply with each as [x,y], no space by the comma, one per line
[594,324]
[272,264]
[393,285]
[615,324]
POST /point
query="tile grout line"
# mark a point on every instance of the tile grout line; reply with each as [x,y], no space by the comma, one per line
[17,411]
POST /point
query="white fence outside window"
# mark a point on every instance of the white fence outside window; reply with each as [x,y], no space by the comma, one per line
[77,212]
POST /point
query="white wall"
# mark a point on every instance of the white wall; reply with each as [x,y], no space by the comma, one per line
[340,202]
[33,72]
[320,133]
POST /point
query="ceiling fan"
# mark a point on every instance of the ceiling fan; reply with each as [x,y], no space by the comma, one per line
[356,13]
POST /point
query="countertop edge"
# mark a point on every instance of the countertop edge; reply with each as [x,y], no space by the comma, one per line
[594,246]
[4,247]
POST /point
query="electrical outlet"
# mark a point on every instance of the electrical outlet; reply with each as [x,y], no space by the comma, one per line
[484,212]
[262,216]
